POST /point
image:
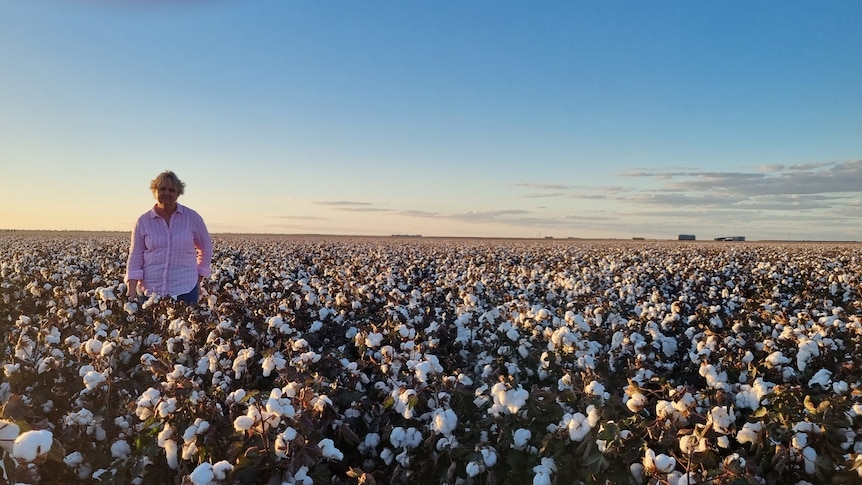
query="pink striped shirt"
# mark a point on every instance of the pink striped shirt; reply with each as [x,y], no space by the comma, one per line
[168,260]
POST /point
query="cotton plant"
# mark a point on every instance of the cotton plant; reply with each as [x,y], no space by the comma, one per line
[351,333]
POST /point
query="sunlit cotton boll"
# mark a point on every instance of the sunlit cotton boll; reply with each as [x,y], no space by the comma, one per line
[272,362]
[596,388]
[243,423]
[658,463]
[444,421]
[31,444]
[328,450]
[93,346]
[636,402]
[202,474]
[509,400]
[721,419]
[750,433]
[93,379]
[691,443]
[206,473]
[577,424]
[373,340]
[240,363]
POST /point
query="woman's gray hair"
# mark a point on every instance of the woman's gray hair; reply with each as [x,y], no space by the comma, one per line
[169,176]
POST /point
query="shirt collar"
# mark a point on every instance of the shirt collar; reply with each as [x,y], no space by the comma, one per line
[154,214]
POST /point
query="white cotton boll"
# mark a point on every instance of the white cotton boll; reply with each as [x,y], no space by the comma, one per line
[166,432]
[167,407]
[412,437]
[121,449]
[421,371]
[521,438]
[684,403]
[31,444]
[108,349]
[373,340]
[473,469]
[721,419]
[282,441]
[489,456]
[596,388]
[98,474]
[723,442]
[387,456]
[93,346]
[444,421]
[659,463]
[221,469]
[690,443]
[750,433]
[9,431]
[637,471]
[776,359]
[807,350]
[822,378]
[328,450]
[577,425]
[243,423]
[809,457]
[301,477]
[636,402]
[396,437]
[171,454]
[272,362]
[666,410]
[10,369]
[73,459]
[93,379]
[320,403]
[840,387]
[542,472]
[799,440]
[202,474]
[240,363]
[679,478]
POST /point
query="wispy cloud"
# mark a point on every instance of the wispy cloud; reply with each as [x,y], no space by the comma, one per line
[299,218]
[341,203]
[799,179]
[536,186]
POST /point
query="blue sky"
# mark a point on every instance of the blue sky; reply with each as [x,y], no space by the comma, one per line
[448,118]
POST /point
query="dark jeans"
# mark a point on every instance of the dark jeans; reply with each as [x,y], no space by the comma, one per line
[190,298]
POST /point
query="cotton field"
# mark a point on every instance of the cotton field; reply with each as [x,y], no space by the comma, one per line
[415,360]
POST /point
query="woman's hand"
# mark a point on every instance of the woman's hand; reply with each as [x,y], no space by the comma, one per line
[132,290]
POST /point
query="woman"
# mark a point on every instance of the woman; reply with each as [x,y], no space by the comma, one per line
[171,249]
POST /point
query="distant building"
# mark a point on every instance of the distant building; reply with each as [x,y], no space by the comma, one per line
[686,237]
[730,238]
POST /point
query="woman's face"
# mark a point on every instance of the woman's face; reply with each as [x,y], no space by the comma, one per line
[166,194]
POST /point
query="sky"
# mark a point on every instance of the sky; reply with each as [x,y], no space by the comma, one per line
[479,118]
